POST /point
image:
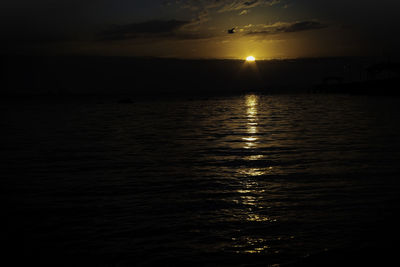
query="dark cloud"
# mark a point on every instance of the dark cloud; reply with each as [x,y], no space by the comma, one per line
[224,5]
[229,5]
[288,28]
[170,29]
[144,29]
[303,26]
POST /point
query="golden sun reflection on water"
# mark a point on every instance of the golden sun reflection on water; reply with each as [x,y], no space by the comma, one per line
[252,122]
[251,139]
[251,192]
[252,172]
[254,157]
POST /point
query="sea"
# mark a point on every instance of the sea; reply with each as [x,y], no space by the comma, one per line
[229,180]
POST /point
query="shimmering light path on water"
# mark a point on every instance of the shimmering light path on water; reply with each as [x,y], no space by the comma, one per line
[223,181]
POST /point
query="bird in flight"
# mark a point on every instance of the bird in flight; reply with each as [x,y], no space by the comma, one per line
[231,31]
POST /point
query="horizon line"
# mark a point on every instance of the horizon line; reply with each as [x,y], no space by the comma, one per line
[196,58]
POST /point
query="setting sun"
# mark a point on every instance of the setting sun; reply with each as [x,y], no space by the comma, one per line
[250,59]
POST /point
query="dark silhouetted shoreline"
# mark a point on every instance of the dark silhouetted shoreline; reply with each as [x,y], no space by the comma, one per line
[154,76]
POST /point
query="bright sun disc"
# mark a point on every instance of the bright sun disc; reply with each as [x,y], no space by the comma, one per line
[250,59]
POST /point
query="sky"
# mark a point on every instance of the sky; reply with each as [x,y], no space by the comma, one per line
[226,29]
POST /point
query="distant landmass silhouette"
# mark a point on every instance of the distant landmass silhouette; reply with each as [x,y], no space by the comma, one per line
[154,76]
[380,79]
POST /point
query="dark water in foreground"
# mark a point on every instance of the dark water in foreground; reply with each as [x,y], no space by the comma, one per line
[219,181]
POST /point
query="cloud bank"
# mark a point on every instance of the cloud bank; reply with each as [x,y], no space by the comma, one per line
[285,27]
[223,5]
[166,29]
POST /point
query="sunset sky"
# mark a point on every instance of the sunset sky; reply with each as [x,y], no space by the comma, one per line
[265,29]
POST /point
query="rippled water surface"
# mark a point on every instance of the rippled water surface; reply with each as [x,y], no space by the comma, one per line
[235,180]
